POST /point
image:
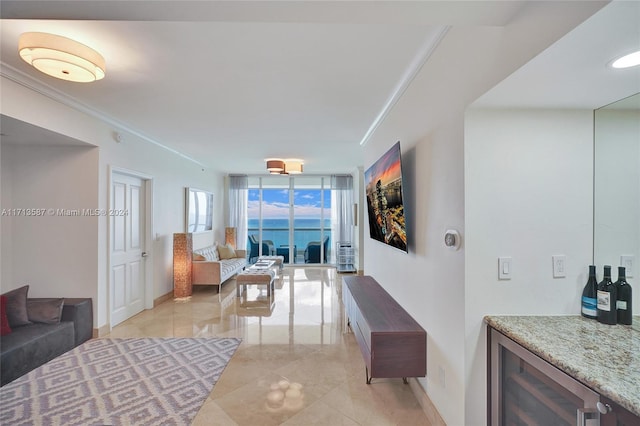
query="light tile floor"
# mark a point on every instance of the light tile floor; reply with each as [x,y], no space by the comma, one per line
[298,364]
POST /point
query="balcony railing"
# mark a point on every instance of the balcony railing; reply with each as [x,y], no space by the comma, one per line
[301,237]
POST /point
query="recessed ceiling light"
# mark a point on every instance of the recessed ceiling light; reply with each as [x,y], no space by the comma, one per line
[627,61]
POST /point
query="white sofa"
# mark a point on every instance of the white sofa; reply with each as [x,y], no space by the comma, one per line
[210,269]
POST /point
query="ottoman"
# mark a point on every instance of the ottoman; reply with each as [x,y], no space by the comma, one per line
[262,276]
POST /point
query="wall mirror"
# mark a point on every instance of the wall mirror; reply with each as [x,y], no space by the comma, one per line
[198,210]
[616,232]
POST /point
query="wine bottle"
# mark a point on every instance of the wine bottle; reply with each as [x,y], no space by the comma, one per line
[623,304]
[590,295]
[607,297]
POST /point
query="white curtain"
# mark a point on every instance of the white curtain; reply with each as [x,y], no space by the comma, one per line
[238,202]
[342,208]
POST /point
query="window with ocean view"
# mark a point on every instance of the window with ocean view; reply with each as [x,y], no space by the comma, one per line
[292,216]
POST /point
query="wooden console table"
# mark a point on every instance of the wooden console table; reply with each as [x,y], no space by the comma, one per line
[392,343]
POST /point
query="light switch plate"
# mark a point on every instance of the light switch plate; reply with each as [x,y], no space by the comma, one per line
[505,268]
[559,265]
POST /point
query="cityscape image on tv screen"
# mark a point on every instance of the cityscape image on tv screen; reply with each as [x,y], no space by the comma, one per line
[385,208]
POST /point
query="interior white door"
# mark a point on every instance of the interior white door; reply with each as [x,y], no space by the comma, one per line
[127,237]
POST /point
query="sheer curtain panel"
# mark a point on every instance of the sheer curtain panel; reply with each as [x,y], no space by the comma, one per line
[342,207]
[238,201]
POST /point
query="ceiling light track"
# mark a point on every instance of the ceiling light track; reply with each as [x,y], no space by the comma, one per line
[409,75]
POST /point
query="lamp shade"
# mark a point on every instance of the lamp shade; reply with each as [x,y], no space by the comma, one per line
[275,166]
[230,236]
[293,167]
[182,264]
[61,57]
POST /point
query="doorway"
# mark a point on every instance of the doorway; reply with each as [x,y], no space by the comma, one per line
[130,210]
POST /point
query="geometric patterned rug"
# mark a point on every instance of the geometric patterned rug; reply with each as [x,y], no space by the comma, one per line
[147,381]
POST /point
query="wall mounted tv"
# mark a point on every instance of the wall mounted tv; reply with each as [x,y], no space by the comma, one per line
[385,207]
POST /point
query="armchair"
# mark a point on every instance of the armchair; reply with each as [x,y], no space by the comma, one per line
[312,252]
[268,249]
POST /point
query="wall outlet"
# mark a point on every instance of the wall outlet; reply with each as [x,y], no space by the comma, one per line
[441,377]
[629,262]
[559,265]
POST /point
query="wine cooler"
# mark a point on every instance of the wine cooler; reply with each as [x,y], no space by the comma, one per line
[526,390]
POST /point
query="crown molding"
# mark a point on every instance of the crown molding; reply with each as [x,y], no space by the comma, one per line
[405,81]
[31,83]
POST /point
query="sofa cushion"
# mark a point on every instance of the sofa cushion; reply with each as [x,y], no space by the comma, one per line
[230,267]
[47,311]
[17,306]
[209,253]
[31,346]
[5,328]
[226,252]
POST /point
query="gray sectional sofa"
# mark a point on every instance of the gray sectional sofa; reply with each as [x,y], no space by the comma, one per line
[45,335]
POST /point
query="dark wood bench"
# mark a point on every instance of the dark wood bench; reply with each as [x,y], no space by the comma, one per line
[392,343]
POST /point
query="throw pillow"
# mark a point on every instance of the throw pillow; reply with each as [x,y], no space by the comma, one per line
[17,306]
[197,256]
[233,251]
[48,311]
[5,328]
[226,252]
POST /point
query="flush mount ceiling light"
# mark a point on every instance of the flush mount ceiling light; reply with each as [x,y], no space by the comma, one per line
[61,57]
[277,166]
[293,166]
[627,61]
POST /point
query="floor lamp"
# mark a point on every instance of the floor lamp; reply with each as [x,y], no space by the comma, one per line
[182,257]
[230,237]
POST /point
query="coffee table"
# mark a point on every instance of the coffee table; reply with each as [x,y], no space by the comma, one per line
[260,273]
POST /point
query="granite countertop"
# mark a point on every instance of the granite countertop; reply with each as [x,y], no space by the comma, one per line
[606,358]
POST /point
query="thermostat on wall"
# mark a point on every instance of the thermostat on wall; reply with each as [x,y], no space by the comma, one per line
[452,239]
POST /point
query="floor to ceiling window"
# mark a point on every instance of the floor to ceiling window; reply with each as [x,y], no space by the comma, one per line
[290,217]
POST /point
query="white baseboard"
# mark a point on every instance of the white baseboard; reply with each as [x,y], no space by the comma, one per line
[425,402]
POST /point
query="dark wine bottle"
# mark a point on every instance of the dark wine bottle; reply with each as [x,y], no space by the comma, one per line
[590,295]
[623,290]
[607,298]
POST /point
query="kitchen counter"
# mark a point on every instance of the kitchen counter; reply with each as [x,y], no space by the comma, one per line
[605,358]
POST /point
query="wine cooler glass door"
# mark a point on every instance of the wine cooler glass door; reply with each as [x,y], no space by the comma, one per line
[533,392]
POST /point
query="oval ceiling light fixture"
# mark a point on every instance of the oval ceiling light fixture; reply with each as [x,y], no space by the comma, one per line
[61,57]
[293,166]
[275,166]
[627,61]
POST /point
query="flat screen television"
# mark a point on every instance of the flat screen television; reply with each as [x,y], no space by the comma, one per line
[383,186]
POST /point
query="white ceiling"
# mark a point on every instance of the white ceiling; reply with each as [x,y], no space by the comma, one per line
[575,71]
[231,83]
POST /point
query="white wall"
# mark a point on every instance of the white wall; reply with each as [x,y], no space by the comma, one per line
[528,195]
[431,282]
[50,252]
[171,173]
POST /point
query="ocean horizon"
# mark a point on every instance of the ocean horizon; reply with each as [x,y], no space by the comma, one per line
[277,230]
